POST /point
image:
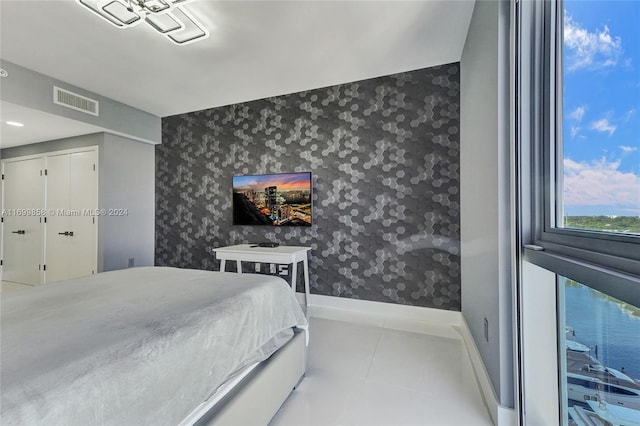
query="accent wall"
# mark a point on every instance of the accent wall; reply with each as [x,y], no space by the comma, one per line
[385,159]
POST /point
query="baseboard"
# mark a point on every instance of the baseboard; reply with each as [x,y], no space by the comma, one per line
[437,322]
[500,414]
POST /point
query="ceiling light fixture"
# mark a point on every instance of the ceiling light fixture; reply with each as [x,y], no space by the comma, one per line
[14,124]
[167,17]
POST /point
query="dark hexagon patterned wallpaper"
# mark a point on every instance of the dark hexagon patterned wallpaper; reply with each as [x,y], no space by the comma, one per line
[384,154]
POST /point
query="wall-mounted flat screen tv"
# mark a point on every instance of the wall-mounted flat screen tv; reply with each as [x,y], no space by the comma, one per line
[282,199]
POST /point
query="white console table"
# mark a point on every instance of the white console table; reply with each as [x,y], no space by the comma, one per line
[281,255]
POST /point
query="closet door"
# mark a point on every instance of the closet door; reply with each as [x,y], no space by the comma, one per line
[57,253]
[23,206]
[71,228]
[83,190]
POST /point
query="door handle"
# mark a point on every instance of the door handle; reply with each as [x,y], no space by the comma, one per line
[19,232]
[67,233]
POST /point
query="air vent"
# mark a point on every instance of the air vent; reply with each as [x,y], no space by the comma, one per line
[74,101]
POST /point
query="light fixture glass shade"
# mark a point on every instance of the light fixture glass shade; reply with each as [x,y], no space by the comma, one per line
[192,30]
[92,5]
[120,12]
[168,17]
[157,6]
[164,23]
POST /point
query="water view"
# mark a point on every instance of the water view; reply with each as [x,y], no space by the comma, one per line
[603,366]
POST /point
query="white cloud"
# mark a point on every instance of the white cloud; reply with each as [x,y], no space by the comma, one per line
[574,131]
[603,125]
[628,149]
[586,49]
[600,183]
[578,113]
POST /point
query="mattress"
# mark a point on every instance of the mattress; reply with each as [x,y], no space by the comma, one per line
[136,346]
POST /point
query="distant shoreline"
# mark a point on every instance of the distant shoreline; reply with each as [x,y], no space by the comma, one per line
[617,224]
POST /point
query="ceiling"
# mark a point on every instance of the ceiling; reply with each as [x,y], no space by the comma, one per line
[256,48]
[38,126]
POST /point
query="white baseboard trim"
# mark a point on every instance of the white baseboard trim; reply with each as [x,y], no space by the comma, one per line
[437,322]
[500,414]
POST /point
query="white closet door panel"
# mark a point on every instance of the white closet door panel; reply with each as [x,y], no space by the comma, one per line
[83,189]
[57,251]
[81,247]
[58,178]
[12,249]
[22,235]
[23,184]
[71,232]
[57,248]
[22,252]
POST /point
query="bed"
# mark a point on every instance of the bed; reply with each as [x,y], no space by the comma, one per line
[151,345]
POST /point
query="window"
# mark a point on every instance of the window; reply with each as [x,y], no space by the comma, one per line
[585,180]
[581,70]
[577,133]
[598,139]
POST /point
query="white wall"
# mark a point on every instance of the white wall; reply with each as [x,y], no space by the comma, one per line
[34,90]
[484,192]
[127,182]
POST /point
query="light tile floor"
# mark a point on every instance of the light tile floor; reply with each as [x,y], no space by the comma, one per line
[7,286]
[366,375]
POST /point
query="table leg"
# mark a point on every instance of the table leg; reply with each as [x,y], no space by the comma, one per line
[239,266]
[294,275]
[307,292]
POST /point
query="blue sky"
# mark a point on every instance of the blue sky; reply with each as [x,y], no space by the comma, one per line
[284,181]
[601,107]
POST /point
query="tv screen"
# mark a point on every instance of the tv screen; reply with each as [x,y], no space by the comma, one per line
[282,199]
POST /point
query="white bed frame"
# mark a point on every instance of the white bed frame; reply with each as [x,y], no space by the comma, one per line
[257,398]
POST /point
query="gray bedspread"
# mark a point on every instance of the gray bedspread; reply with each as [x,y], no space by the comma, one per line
[132,347]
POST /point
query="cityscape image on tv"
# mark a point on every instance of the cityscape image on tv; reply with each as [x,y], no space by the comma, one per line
[278,199]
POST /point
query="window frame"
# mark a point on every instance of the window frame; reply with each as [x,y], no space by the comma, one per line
[607,262]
